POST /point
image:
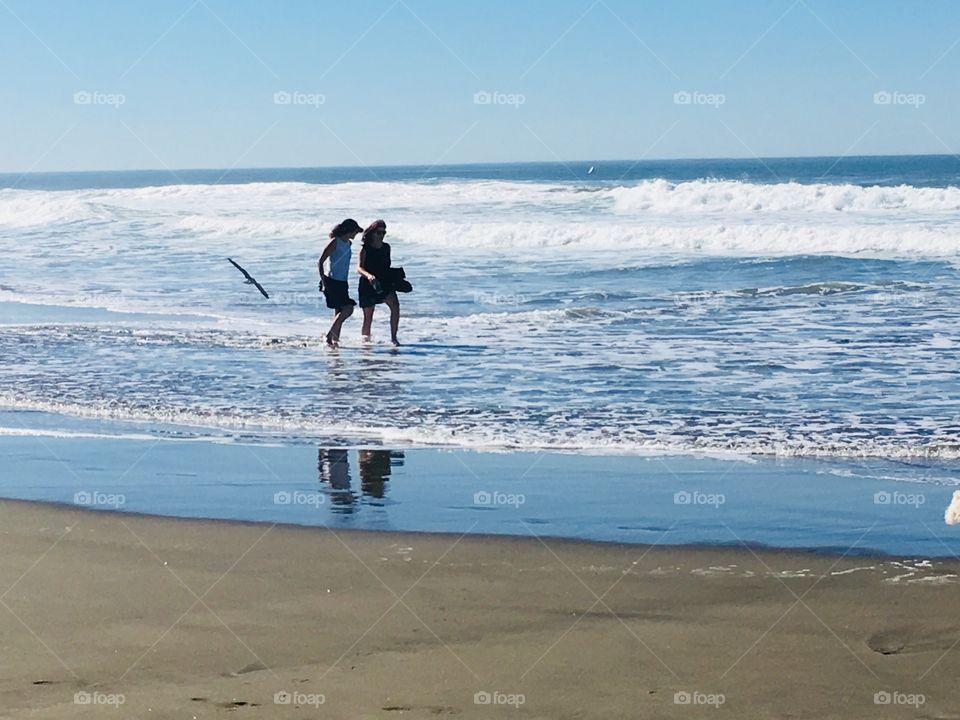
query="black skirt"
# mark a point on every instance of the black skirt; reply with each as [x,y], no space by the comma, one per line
[337,293]
[370,297]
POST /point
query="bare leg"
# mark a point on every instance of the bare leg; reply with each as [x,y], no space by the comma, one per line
[367,321]
[333,337]
[394,304]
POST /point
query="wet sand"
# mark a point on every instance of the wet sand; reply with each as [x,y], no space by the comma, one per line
[119,615]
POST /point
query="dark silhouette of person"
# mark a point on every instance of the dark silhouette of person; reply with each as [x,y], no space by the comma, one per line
[333,469]
[375,469]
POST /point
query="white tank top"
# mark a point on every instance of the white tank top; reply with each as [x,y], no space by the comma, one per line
[340,260]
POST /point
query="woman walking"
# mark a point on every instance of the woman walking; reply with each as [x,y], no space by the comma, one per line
[376,282]
[334,285]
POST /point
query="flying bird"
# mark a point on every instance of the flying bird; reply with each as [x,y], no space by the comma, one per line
[250,279]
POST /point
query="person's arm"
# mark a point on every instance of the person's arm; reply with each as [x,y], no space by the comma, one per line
[325,254]
[369,276]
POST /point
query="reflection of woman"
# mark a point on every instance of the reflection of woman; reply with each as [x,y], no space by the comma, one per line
[376,285]
[374,471]
[333,467]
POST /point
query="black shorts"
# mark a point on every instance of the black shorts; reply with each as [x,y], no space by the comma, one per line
[368,296]
[337,293]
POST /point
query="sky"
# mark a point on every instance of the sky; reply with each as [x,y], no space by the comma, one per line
[107,84]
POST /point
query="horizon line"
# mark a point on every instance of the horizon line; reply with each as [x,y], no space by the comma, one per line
[594,161]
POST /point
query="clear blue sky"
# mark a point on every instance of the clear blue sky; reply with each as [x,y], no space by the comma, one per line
[398,79]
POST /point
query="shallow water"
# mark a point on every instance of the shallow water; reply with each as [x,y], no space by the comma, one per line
[784,307]
[836,506]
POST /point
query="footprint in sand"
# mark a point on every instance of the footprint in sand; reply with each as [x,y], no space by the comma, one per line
[252,667]
[912,640]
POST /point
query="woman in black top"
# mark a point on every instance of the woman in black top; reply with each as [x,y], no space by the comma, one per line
[375,283]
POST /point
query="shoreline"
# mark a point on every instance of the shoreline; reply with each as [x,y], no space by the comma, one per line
[866,509]
[759,549]
[184,617]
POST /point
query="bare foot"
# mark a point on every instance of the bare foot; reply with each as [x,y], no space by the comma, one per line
[331,340]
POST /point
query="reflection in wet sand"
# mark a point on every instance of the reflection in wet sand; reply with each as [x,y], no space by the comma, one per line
[333,468]
[375,467]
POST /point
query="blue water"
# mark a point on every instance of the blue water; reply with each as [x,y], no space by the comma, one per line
[844,507]
[756,307]
[776,307]
[918,171]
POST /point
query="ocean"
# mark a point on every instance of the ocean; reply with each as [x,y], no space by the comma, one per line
[771,307]
[664,325]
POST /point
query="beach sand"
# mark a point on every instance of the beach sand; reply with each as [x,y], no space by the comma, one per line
[186,618]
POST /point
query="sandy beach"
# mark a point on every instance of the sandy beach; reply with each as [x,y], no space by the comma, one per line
[120,615]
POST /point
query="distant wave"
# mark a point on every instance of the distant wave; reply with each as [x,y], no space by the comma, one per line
[651,217]
[727,196]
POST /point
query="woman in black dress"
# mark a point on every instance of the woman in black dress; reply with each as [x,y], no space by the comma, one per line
[376,285]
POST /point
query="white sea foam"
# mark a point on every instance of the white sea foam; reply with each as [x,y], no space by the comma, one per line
[600,319]
[62,434]
[654,216]
[952,514]
[728,196]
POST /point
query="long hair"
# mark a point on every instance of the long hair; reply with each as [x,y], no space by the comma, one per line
[341,229]
[373,228]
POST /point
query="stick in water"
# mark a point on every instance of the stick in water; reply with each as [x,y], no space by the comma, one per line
[250,279]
